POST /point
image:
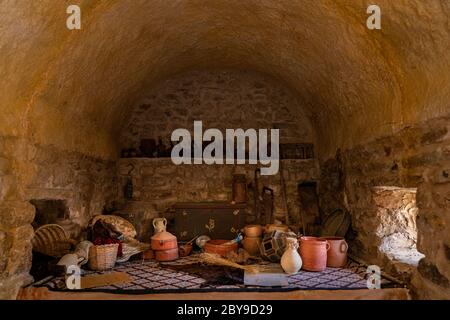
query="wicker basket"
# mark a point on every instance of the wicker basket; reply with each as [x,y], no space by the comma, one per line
[103,257]
[52,240]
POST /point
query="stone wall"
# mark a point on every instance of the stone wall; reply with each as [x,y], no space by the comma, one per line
[16,216]
[86,184]
[158,184]
[221,99]
[28,172]
[416,157]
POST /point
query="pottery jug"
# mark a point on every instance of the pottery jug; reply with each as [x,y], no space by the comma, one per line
[291,261]
[159,224]
[337,255]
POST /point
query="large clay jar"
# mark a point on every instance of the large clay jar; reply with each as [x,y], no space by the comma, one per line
[164,241]
[291,261]
[313,252]
[337,255]
[251,245]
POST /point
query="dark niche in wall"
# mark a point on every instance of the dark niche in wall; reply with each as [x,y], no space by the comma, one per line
[49,211]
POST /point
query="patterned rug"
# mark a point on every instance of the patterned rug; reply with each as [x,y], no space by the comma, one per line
[169,277]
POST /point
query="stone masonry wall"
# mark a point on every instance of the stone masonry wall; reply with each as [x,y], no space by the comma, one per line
[16,216]
[158,184]
[30,172]
[416,157]
[86,184]
[221,99]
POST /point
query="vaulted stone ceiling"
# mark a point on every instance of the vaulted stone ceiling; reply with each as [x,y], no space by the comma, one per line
[74,89]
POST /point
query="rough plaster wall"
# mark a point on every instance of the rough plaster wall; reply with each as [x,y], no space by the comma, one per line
[74,89]
[223,99]
[65,87]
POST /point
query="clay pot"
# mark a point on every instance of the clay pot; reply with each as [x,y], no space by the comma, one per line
[291,262]
[313,252]
[337,255]
[184,250]
[276,227]
[251,245]
[166,255]
[148,255]
[164,241]
[253,230]
[219,247]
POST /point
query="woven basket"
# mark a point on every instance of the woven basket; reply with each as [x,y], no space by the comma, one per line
[103,257]
[51,240]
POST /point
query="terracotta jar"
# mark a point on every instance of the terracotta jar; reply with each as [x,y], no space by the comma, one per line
[219,247]
[313,252]
[253,230]
[166,255]
[337,255]
[251,245]
[164,241]
[148,254]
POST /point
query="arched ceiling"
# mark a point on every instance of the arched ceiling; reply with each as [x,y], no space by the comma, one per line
[75,88]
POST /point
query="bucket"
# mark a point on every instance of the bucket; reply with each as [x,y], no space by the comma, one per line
[337,255]
[313,252]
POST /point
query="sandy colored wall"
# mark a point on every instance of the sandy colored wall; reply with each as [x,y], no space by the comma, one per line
[418,157]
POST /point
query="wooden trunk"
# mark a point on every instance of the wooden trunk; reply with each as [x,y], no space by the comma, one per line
[218,220]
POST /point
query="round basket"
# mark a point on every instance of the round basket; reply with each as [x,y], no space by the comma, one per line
[51,240]
[103,257]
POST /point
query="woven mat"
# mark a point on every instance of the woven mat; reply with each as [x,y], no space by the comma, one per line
[155,277]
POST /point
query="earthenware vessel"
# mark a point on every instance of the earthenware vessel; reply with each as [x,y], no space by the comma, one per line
[253,230]
[251,245]
[313,252]
[291,262]
[164,241]
[166,255]
[337,255]
[220,247]
[159,224]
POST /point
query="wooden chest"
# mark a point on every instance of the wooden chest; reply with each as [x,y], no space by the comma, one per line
[218,220]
